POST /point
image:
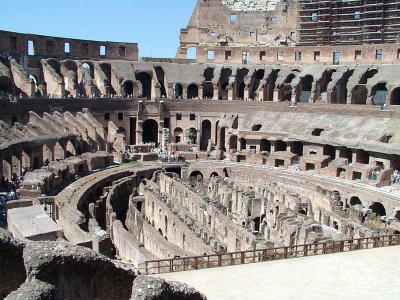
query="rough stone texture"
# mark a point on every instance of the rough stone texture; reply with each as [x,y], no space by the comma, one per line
[12,271]
[148,288]
[58,270]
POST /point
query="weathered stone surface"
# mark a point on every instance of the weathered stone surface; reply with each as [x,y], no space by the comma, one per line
[12,271]
[149,288]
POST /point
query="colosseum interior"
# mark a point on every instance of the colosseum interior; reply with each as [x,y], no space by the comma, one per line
[273,134]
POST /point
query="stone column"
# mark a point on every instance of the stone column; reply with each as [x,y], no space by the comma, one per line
[216,93]
[230,94]
[246,93]
[276,95]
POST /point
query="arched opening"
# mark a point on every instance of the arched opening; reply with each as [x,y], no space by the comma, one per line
[355,201]
[379,93]
[178,135]
[59,153]
[106,68]
[362,157]
[240,85]
[280,146]
[270,85]
[297,148]
[161,80]
[70,149]
[359,95]
[395,98]
[166,224]
[306,87]
[195,177]
[367,75]
[258,76]
[192,91]
[224,83]
[150,131]
[378,209]
[214,174]
[177,90]
[145,80]
[205,134]
[265,145]
[191,53]
[192,135]
[35,80]
[345,152]
[128,88]
[208,90]
[329,150]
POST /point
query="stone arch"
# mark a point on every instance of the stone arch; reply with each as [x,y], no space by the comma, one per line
[258,76]
[178,135]
[205,134]
[192,91]
[367,75]
[59,152]
[35,80]
[379,93]
[270,85]
[191,53]
[265,145]
[354,200]
[128,88]
[145,79]
[224,83]
[106,68]
[192,135]
[378,208]
[177,90]
[395,97]
[70,149]
[195,176]
[280,145]
[359,95]
[150,131]
[240,84]
[161,80]
[47,153]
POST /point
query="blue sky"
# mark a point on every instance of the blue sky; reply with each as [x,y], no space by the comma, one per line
[153,24]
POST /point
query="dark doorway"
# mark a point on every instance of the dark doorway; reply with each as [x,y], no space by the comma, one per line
[150,131]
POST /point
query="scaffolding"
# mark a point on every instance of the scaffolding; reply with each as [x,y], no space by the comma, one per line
[342,22]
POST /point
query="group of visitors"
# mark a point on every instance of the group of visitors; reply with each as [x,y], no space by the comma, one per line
[169,156]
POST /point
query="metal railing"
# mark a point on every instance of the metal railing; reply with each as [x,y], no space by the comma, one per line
[263,255]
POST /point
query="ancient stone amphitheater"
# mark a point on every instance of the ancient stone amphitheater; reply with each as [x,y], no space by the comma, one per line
[275,140]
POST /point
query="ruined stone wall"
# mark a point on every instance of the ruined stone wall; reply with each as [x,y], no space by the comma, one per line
[46,46]
[164,219]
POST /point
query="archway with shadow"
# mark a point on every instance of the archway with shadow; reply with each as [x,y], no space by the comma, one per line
[145,80]
[192,91]
[150,131]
